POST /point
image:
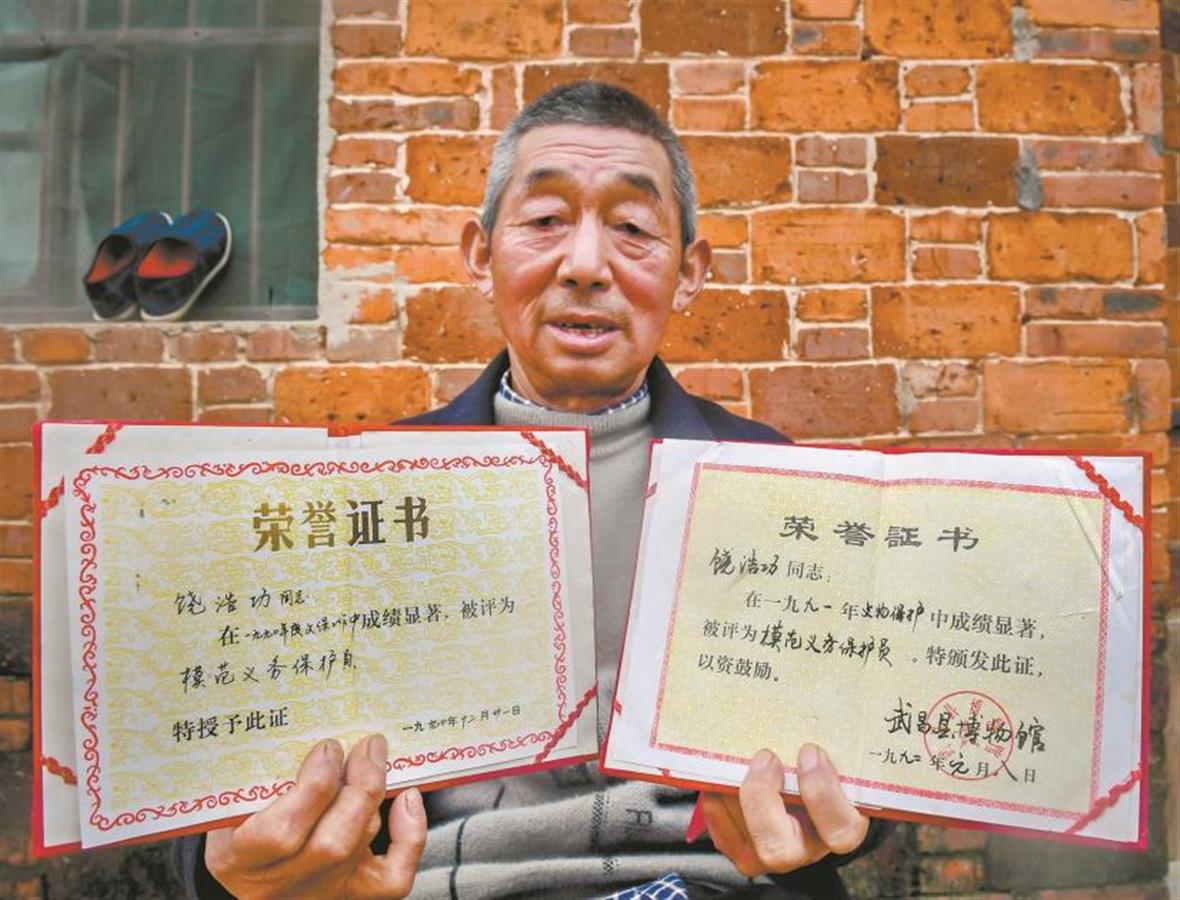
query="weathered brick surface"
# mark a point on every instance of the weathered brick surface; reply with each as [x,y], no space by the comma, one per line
[932,28]
[450,325]
[484,29]
[740,171]
[1053,99]
[671,27]
[950,171]
[966,321]
[128,392]
[832,306]
[314,395]
[1040,247]
[55,345]
[829,96]
[728,325]
[648,80]
[1056,397]
[811,246]
[826,401]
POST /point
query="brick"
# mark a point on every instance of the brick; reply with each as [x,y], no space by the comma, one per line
[384,9]
[235,415]
[1041,247]
[1147,98]
[16,424]
[397,115]
[709,77]
[1096,339]
[237,384]
[614,42]
[832,306]
[946,171]
[805,401]
[937,81]
[956,321]
[1068,43]
[14,736]
[946,228]
[374,307]
[357,151]
[420,225]
[377,395]
[504,105]
[129,392]
[850,153]
[944,442]
[447,169]
[1056,397]
[451,325]
[280,344]
[7,345]
[1111,191]
[416,264]
[1150,230]
[205,346]
[709,113]
[16,579]
[735,326]
[950,874]
[1095,13]
[958,116]
[646,80]
[1095,155]
[823,9]
[50,346]
[1153,395]
[946,263]
[352,39]
[712,382]
[1092,303]
[484,29]
[944,415]
[1154,444]
[832,343]
[363,187]
[1054,99]
[827,39]
[599,12]
[810,246]
[931,28]
[723,231]
[676,27]
[941,379]
[825,96]
[129,343]
[729,267]
[449,383]
[19,384]
[16,540]
[364,345]
[426,79]
[16,481]
[15,696]
[732,171]
[819,186]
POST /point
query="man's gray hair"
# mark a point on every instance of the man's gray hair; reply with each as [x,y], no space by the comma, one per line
[592,103]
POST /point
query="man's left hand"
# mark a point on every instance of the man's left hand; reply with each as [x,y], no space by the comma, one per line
[760,833]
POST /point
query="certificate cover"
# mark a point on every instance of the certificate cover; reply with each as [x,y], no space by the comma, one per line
[214,600]
[964,633]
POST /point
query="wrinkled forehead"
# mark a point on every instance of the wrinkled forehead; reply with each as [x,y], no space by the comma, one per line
[592,157]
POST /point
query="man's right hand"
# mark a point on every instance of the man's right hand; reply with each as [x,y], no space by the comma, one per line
[313,841]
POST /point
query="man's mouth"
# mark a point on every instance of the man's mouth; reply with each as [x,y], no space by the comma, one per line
[589,329]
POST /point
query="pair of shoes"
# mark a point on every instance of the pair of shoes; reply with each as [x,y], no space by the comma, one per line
[156,265]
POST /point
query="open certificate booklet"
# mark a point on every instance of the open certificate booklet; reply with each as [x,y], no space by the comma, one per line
[964,633]
[214,600]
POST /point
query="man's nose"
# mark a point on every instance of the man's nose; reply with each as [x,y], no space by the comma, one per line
[584,264]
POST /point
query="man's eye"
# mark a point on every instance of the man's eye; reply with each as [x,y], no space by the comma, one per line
[545,221]
[630,228]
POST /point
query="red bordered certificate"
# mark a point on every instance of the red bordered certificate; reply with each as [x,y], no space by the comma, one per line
[964,633]
[214,600]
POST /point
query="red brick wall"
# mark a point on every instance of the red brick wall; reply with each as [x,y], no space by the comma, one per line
[935,222]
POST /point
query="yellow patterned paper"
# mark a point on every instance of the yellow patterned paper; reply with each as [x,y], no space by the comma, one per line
[919,633]
[243,618]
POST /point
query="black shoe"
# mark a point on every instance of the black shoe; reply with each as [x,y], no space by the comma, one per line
[183,262]
[109,280]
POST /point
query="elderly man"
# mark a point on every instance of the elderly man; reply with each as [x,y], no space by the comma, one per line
[586,245]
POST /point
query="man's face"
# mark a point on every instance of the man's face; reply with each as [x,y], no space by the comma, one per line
[585,263]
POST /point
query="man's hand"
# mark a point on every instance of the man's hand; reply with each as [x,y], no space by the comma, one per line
[313,841]
[760,833]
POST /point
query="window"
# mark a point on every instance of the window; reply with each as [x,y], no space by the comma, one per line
[113,107]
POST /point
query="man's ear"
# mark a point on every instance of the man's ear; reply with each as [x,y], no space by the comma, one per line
[476,247]
[694,269]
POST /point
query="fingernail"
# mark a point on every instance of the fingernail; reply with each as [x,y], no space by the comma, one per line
[763,759]
[808,757]
[333,752]
[378,750]
[413,799]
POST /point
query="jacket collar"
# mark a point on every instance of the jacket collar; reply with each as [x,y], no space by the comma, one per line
[673,412]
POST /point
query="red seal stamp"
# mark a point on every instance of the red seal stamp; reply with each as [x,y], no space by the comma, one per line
[968,736]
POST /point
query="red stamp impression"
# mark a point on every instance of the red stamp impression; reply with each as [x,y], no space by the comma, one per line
[968,736]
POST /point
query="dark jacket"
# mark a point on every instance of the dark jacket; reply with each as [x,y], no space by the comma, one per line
[674,414]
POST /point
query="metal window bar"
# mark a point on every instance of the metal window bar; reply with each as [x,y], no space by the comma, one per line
[56,238]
